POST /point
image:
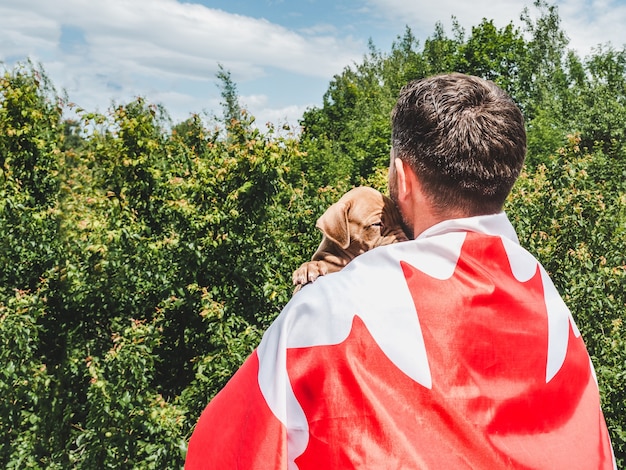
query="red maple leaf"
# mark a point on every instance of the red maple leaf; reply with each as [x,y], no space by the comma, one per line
[486,338]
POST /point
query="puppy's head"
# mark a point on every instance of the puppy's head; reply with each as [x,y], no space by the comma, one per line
[361,220]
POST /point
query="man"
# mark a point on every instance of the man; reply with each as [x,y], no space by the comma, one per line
[452,350]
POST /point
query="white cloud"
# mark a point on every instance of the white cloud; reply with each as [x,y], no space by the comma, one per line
[423,16]
[156,48]
[590,23]
[168,51]
[289,115]
[181,38]
[586,22]
[23,31]
[254,101]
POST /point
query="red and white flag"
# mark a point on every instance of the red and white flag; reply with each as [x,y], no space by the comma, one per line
[450,351]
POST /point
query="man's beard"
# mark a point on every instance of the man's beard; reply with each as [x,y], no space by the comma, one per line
[393,195]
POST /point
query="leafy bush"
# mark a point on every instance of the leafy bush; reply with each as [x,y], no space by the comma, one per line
[139,267]
[25,383]
[141,261]
[571,214]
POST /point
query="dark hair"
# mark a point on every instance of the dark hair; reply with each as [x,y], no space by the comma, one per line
[465,139]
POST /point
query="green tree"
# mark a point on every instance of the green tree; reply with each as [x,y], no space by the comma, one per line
[493,54]
[30,117]
[25,383]
[232,113]
[570,214]
[600,101]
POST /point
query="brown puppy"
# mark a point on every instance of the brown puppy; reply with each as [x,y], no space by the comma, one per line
[361,220]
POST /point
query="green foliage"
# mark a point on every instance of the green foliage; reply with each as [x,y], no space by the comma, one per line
[232,112]
[571,214]
[128,423]
[229,339]
[29,157]
[148,268]
[493,54]
[142,260]
[25,383]
[30,116]
[598,107]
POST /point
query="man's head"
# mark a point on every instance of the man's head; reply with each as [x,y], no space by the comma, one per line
[464,140]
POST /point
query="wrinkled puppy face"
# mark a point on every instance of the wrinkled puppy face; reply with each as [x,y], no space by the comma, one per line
[375,227]
[361,220]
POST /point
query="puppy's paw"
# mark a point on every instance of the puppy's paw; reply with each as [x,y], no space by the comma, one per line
[309,272]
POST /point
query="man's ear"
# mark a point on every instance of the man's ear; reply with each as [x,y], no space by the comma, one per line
[404,180]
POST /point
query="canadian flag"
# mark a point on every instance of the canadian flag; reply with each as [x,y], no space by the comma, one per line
[451,351]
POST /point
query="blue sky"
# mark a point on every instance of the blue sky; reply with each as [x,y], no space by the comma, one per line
[282,54]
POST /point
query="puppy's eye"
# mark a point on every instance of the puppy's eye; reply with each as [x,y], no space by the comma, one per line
[377,224]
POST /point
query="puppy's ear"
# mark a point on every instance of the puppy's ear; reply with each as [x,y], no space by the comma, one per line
[334,224]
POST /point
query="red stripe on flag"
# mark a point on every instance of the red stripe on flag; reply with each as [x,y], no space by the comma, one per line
[237,430]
